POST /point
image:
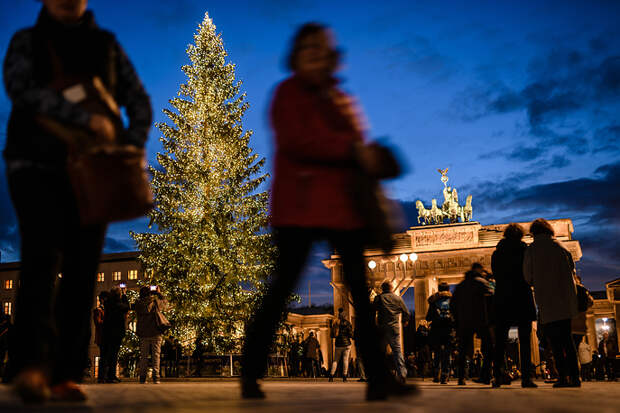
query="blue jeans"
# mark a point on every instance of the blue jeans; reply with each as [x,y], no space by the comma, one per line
[391,336]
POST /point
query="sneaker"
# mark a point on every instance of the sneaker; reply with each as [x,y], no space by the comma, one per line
[250,389]
[142,379]
[68,391]
[32,387]
[330,378]
[443,380]
[529,384]
[461,382]
[344,379]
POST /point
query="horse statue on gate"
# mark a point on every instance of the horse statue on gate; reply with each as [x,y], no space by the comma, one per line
[437,214]
[423,213]
[468,211]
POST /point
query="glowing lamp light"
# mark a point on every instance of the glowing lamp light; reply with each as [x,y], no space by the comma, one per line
[404,257]
[606,327]
[413,257]
[605,320]
[372,265]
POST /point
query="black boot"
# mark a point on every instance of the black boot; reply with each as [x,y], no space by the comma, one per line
[330,378]
[344,378]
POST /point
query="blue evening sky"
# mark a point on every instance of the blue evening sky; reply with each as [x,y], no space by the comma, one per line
[520,99]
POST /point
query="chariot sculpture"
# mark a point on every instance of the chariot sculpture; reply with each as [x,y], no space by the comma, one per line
[450,209]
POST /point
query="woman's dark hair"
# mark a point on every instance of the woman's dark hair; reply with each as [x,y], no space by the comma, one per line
[541,226]
[304,31]
[514,232]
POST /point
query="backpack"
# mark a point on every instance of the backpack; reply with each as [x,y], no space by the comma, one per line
[444,315]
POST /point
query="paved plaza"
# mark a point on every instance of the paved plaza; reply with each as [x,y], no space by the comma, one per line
[320,396]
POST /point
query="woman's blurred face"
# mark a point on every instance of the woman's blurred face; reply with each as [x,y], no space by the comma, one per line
[66,11]
[315,56]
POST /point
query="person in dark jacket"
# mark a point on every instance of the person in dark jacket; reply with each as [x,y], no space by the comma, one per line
[550,269]
[440,316]
[469,305]
[342,332]
[608,349]
[114,328]
[146,329]
[311,355]
[391,309]
[50,353]
[514,303]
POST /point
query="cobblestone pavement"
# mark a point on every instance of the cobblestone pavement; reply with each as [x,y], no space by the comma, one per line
[320,396]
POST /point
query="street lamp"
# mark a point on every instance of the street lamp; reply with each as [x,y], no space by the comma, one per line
[372,264]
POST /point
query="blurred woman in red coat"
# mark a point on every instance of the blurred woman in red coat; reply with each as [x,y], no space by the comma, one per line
[318,152]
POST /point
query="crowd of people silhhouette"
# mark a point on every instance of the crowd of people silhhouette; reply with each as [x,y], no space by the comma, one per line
[67,78]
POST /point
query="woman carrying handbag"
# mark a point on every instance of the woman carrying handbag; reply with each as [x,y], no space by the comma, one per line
[62,75]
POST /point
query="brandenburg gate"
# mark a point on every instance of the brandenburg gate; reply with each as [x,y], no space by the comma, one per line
[425,255]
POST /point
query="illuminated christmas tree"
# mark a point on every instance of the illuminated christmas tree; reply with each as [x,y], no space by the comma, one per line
[210,251]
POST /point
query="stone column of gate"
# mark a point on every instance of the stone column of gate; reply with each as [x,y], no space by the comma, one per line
[424,286]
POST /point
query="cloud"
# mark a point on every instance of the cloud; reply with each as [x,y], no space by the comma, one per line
[570,101]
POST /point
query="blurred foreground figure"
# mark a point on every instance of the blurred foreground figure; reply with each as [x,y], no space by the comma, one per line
[50,70]
[319,155]
[550,269]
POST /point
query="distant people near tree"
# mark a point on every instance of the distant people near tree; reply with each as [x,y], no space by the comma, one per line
[469,306]
[441,320]
[422,348]
[98,319]
[295,357]
[513,304]
[198,356]
[322,168]
[608,349]
[114,329]
[584,352]
[391,310]
[550,269]
[147,308]
[342,333]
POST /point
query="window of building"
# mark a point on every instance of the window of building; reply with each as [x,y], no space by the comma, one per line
[132,275]
[8,308]
[8,284]
[100,277]
[116,275]
[59,275]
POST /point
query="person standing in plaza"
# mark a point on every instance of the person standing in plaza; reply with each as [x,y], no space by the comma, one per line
[311,355]
[608,349]
[53,319]
[469,307]
[98,318]
[114,328]
[391,310]
[319,156]
[342,332]
[440,316]
[584,352]
[147,329]
[550,269]
[514,304]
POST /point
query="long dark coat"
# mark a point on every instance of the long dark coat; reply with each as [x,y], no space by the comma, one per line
[514,301]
